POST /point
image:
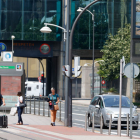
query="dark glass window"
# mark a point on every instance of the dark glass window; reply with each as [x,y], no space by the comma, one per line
[109,16]
[94,100]
[25,18]
[29,89]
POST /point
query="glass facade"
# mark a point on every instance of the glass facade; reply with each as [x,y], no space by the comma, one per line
[109,15]
[24,18]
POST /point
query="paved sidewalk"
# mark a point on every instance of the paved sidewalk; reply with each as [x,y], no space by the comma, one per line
[39,128]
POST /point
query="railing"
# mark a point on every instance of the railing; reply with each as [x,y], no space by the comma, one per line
[110,123]
[38,105]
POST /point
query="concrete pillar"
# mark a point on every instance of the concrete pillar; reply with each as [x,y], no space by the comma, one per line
[85,84]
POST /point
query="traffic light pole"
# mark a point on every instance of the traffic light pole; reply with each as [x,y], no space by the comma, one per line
[67,101]
[43,73]
[70,62]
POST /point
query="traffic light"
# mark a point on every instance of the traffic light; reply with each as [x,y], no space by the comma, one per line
[42,78]
[77,66]
[66,70]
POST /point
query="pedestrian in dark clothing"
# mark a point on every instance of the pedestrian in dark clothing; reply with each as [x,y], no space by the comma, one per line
[2,101]
[19,109]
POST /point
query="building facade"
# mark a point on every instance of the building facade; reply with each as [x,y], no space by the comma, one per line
[25,18]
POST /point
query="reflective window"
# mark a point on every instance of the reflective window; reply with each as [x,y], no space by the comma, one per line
[109,16]
[25,18]
[94,100]
[113,101]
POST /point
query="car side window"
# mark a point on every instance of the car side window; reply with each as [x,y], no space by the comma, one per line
[94,100]
[100,103]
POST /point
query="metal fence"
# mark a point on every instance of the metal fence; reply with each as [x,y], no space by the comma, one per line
[39,106]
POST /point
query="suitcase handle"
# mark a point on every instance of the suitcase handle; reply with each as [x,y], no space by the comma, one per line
[4,111]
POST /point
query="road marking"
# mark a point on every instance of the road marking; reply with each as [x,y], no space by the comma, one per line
[78,114]
[79,120]
[79,124]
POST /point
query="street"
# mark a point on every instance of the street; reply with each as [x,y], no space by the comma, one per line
[78,117]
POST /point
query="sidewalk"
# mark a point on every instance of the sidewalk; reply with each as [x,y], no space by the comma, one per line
[39,128]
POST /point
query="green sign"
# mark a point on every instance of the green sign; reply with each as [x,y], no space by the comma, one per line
[7,67]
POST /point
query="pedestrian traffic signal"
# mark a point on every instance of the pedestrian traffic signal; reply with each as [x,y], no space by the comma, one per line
[66,70]
[77,71]
[77,66]
[42,78]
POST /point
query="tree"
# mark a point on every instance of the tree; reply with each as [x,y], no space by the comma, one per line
[115,47]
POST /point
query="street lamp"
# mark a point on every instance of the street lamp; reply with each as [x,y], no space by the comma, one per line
[12,37]
[97,62]
[46,29]
[80,9]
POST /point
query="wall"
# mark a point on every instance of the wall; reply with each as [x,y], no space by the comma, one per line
[85,85]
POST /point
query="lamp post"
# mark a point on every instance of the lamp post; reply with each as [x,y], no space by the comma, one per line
[12,37]
[46,29]
[43,73]
[80,9]
[70,61]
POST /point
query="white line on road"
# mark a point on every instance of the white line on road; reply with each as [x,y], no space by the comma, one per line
[79,124]
[79,120]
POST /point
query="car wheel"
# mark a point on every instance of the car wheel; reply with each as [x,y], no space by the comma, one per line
[103,125]
[135,127]
[89,121]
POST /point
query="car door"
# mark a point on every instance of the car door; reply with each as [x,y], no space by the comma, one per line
[99,110]
[92,107]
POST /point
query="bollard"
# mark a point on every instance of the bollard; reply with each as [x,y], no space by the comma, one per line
[43,106]
[60,111]
[127,124]
[110,123]
[34,105]
[39,106]
[48,111]
[26,104]
[86,121]
[30,104]
[101,121]
[93,123]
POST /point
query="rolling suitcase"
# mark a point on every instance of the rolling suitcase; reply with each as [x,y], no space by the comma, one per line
[4,120]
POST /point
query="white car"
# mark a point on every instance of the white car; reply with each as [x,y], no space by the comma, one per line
[109,104]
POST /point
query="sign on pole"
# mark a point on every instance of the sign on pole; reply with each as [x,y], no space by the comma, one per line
[127,71]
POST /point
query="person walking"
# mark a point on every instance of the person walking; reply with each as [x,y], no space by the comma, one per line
[53,100]
[2,101]
[19,109]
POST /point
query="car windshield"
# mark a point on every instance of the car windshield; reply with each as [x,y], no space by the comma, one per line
[113,101]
